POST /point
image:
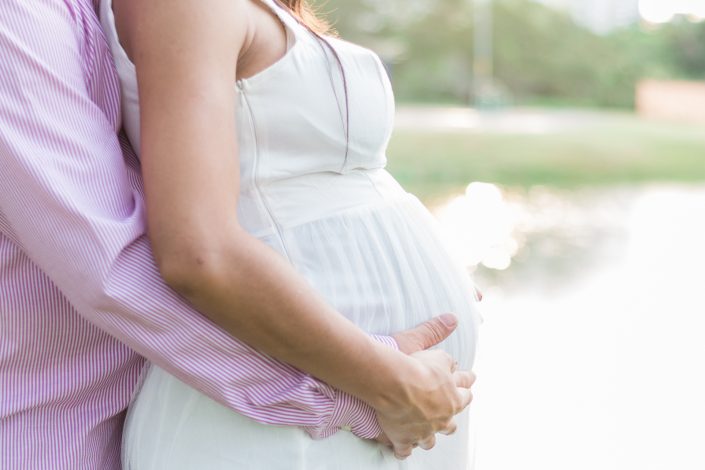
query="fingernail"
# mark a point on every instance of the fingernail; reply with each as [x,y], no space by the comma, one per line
[448,319]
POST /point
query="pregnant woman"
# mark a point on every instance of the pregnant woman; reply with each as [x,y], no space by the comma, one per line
[253,125]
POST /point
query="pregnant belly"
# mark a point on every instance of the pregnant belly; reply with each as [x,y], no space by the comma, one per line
[380,265]
[385,268]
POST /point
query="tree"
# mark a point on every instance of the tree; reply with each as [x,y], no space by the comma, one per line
[540,54]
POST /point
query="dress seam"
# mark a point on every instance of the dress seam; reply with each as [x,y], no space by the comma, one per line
[374,185]
[255,177]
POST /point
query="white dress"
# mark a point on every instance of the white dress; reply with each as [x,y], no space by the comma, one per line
[366,245]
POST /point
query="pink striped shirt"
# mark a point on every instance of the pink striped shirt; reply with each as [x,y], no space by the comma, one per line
[79,291]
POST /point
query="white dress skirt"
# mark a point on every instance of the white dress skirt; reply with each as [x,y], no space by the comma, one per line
[313,188]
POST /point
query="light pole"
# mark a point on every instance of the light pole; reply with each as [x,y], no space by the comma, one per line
[482,65]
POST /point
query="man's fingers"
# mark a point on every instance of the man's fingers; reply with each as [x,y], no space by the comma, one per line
[465,398]
[427,334]
[383,439]
[478,294]
[450,429]
[427,444]
[402,451]
[463,378]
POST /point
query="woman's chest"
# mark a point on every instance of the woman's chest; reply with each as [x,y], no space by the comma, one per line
[322,107]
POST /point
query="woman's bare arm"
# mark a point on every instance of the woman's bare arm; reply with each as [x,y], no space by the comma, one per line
[185,53]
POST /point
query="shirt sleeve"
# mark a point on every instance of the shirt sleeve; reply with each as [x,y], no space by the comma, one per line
[72,195]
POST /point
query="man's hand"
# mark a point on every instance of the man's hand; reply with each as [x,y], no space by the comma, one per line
[427,334]
[432,393]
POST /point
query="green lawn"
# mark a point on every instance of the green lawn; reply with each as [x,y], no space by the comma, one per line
[619,149]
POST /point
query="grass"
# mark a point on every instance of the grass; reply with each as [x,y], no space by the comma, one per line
[614,149]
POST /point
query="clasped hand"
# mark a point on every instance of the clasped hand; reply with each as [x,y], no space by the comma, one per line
[433,390]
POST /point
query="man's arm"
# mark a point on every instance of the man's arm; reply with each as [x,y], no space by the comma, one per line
[76,210]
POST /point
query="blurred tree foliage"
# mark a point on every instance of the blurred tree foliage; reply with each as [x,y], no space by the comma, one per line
[540,55]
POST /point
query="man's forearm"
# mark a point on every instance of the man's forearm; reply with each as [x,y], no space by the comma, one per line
[74,208]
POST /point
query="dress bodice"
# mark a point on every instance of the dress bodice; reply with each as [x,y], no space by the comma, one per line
[297,106]
[295,125]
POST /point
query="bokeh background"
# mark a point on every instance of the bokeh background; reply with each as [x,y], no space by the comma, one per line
[561,144]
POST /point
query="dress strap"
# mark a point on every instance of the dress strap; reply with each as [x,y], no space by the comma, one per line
[284,14]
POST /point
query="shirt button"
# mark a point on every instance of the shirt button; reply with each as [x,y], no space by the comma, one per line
[346,428]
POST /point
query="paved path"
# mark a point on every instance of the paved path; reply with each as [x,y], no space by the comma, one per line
[511,120]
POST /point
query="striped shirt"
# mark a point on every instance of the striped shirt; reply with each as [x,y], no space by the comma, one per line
[81,301]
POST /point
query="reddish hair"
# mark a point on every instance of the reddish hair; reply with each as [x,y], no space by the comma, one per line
[306,15]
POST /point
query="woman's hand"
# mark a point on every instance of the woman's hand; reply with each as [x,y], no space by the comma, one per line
[432,393]
[440,392]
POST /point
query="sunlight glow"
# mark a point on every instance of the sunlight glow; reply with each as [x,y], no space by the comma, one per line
[661,11]
[611,351]
[478,226]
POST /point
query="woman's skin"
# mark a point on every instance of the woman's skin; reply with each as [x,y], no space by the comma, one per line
[188,54]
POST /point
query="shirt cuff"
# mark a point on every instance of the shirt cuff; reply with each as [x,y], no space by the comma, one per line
[352,414]
[386,340]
